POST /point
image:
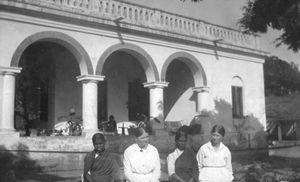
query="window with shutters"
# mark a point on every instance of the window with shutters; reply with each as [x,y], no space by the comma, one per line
[237,101]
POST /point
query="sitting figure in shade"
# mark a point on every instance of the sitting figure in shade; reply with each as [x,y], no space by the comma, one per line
[111,125]
[70,123]
[100,165]
[186,165]
[77,130]
[180,143]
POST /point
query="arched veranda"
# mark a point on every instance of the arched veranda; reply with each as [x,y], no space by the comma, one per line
[125,67]
[47,87]
[62,39]
[183,72]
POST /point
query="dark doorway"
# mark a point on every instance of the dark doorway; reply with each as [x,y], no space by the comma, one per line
[46,86]
[102,103]
[32,86]
[138,100]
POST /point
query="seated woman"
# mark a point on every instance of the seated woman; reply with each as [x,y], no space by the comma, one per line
[111,125]
[214,158]
[141,159]
[99,165]
[186,166]
[180,143]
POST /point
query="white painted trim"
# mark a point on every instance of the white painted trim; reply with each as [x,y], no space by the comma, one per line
[95,78]
[156,84]
[10,70]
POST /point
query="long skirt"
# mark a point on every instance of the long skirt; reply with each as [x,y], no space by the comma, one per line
[215,174]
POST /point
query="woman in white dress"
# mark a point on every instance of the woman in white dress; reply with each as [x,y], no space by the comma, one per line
[141,159]
[214,158]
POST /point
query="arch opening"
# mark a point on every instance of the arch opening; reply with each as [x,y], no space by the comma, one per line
[62,39]
[140,54]
[183,72]
[179,99]
[47,89]
[122,94]
[193,64]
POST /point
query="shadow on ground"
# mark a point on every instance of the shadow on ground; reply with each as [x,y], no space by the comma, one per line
[17,166]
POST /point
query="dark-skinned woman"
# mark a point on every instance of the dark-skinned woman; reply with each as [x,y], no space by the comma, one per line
[100,165]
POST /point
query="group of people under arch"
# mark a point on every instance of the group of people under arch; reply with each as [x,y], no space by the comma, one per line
[189,162]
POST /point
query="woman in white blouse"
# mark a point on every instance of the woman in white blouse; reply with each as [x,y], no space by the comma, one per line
[214,158]
[141,159]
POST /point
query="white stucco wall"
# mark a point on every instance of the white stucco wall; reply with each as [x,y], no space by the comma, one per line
[219,67]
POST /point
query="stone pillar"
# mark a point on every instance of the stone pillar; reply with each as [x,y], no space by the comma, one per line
[7,99]
[202,99]
[90,103]
[157,102]
[202,117]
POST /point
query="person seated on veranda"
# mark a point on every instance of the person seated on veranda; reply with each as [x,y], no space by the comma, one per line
[70,123]
[111,125]
[77,130]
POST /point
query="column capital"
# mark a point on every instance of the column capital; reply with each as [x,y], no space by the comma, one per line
[10,70]
[90,78]
[201,89]
[157,84]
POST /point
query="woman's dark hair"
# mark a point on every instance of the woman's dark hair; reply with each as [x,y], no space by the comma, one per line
[194,129]
[219,129]
[98,136]
[181,132]
[139,131]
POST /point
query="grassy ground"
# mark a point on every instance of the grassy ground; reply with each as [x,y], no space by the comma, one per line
[248,165]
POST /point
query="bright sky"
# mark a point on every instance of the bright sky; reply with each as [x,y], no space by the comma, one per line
[222,12]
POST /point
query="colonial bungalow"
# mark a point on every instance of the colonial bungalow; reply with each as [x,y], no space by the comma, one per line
[103,57]
[106,57]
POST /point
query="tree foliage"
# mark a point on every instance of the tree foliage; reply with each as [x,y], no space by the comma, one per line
[282,15]
[281,77]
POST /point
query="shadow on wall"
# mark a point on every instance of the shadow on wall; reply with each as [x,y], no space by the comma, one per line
[16,165]
[241,133]
[180,80]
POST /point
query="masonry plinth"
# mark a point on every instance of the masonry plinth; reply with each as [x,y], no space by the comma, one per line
[89,103]
[156,94]
[7,100]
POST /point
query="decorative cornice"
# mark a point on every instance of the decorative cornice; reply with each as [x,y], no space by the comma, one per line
[139,18]
[199,46]
[157,84]
[90,78]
